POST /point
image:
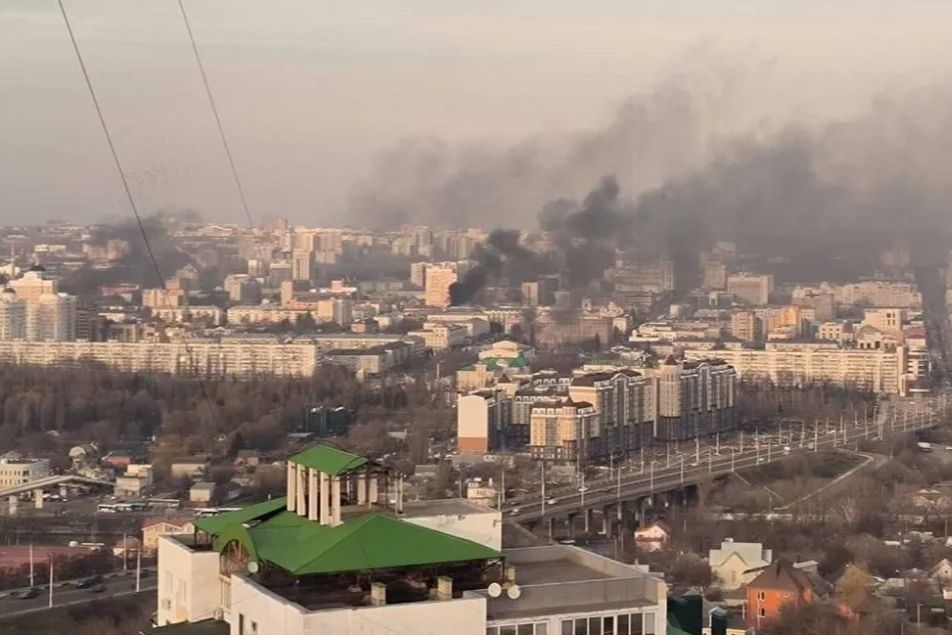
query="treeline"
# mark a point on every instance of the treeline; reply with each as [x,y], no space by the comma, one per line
[42,409]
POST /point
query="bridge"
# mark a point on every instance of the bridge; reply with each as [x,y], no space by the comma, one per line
[40,485]
[628,489]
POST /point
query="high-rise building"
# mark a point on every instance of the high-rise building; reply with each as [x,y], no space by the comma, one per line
[12,316]
[564,430]
[48,316]
[695,398]
[52,318]
[752,289]
[625,402]
[745,326]
[418,273]
[34,283]
[439,277]
[302,264]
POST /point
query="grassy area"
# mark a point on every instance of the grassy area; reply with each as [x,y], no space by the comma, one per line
[113,616]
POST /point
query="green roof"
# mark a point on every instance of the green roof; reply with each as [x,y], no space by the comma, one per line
[324,458]
[216,524]
[371,541]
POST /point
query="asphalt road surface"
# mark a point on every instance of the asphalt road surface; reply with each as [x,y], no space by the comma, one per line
[66,593]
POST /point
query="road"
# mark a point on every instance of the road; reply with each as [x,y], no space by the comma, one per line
[65,593]
[706,463]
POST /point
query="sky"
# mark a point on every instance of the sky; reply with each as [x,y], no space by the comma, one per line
[311,92]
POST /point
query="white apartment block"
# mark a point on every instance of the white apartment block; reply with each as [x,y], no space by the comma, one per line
[243,360]
[880,371]
[15,472]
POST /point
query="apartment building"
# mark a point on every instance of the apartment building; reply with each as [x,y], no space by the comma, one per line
[342,553]
[552,330]
[880,371]
[441,337]
[564,430]
[240,359]
[695,398]
[439,277]
[625,403]
[483,418]
[752,289]
[20,471]
[594,415]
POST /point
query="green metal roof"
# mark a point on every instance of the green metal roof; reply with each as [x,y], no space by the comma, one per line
[217,524]
[324,458]
[371,541]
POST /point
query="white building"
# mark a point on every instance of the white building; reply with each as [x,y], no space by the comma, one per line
[16,471]
[335,556]
[750,288]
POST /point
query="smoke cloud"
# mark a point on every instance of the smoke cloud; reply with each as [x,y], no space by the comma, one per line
[652,138]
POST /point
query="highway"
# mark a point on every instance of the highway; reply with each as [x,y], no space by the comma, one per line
[682,469]
[66,593]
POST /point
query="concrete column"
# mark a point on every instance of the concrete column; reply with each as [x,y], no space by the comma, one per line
[292,486]
[588,513]
[335,501]
[361,488]
[372,493]
[313,493]
[607,521]
[323,507]
[38,498]
[400,494]
[302,490]
[571,525]
[551,526]
[64,492]
[13,504]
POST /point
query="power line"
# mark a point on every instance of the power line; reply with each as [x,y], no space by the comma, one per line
[112,146]
[211,102]
[128,191]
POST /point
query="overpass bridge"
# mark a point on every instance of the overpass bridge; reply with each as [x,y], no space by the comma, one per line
[628,489]
[40,485]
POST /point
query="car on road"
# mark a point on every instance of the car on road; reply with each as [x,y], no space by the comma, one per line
[99,588]
[514,511]
[89,582]
[30,593]
[552,501]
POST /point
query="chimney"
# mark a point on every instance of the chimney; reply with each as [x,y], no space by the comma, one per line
[511,573]
[444,588]
[378,594]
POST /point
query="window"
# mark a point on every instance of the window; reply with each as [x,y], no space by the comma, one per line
[608,625]
[241,624]
[637,626]
[254,628]
[761,595]
[492,630]
[594,626]
[763,612]
[541,629]
[649,623]
[581,626]
[623,624]
[508,629]
[525,629]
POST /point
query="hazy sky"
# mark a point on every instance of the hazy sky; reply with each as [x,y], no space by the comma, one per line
[310,91]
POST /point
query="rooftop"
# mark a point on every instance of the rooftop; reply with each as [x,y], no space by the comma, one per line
[300,546]
[328,460]
[559,579]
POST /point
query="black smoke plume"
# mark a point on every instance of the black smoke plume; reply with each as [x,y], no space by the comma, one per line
[502,258]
